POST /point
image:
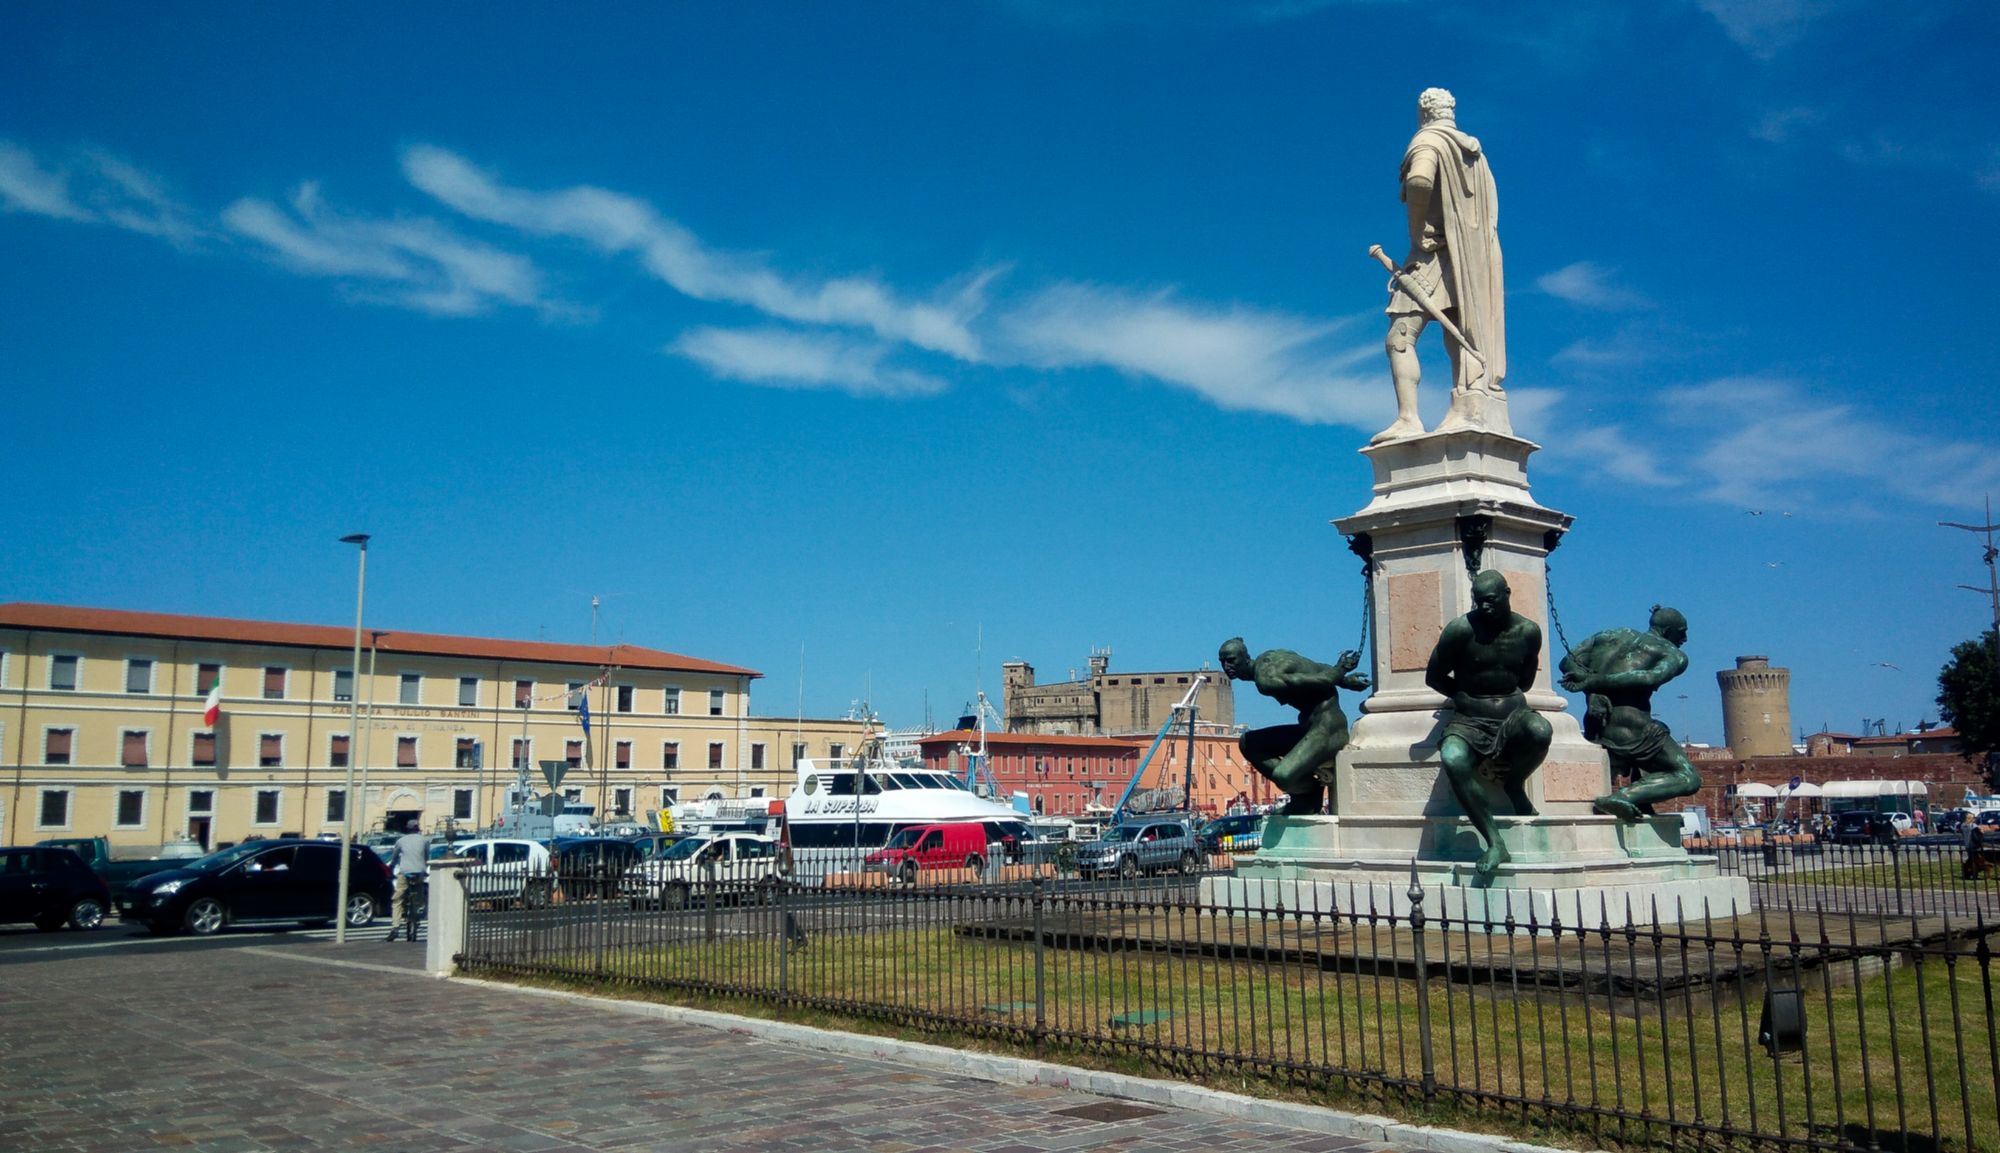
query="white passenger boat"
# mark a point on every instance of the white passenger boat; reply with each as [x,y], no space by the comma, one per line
[839,811]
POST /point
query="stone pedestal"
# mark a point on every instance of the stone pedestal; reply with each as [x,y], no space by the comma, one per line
[1448,505]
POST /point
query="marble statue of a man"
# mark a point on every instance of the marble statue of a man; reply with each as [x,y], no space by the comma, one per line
[1454,269]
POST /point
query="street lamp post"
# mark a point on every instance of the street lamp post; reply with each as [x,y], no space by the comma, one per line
[353,740]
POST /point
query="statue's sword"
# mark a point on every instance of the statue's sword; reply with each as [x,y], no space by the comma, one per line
[1423,298]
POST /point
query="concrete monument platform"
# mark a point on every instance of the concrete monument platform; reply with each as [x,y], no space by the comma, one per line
[1448,505]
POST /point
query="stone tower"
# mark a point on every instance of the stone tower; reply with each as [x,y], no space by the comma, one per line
[1757,708]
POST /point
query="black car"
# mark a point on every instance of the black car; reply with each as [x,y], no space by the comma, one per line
[286,880]
[1857,827]
[52,888]
[593,866]
[1241,831]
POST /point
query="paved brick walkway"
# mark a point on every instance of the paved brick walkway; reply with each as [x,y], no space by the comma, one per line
[232,1049]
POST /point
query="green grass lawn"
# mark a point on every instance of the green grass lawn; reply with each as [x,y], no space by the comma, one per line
[1906,1050]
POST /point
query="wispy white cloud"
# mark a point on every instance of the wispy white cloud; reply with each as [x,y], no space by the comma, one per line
[788,358]
[417,263]
[1239,358]
[95,188]
[1783,125]
[25,186]
[1765,27]
[615,223]
[1590,285]
[1772,439]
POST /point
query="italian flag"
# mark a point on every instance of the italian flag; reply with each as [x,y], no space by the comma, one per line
[213,708]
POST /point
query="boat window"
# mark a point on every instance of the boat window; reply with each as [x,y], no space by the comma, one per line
[906,781]
[839,784]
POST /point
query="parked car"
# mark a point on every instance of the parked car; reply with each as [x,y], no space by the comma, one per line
[52,888]
[288,880]
[1857,827]
[593,866]
[1234,833]
[119,867]
[932,847]
[511,871]
[1141,846]
[739,861]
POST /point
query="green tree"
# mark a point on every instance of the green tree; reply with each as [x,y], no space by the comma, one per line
[1969,698]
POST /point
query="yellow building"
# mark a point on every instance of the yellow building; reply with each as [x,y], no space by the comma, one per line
[102,731]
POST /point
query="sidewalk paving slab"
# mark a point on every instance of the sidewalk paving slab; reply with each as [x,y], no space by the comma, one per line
[270,1048]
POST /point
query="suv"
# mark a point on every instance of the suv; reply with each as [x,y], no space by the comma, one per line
[50,887]
[733,859]
[1858,827]
[1140,846]
[1235,833]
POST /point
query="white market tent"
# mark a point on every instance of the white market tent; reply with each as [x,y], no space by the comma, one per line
[1804,789]
[1875,789]
[1755,790]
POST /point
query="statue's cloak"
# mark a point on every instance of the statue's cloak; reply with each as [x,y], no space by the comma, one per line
[1471,210]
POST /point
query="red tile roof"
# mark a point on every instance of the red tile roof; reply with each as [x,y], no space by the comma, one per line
[65,618]
[964,736]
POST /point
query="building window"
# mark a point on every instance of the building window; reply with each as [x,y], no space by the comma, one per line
[573,753]
[205,677]
[625,698]
[274,683]
[133,753]
[673,706]
[204,750]
[670,755]
[621,801]
[834,750]
[270,750]
[798,754]
[343,684]
[756,790]
[715,754]
[62,674]
[575,699]
[131,809]
[715,702]
[406,752]
[524,694]
[411,690]
[336,752]
[521,753]
[55,809]
[756,756]
[624,755]
[138,676]
[201,802]
[56,747]
[466,756]
[267,807]
[468,692]
[670,795]
[336,806]
[461,804]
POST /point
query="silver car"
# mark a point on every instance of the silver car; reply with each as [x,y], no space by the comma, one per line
[1140,846]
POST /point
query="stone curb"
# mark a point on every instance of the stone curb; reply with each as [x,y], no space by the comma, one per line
[1025,1071]
[1012,1070]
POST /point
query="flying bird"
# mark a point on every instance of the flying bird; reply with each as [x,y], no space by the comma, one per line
[1774,563]
[1753,512]
[1884,665]
[1787,514]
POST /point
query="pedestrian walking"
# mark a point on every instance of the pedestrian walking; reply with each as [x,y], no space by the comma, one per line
[1975,852]
[409,862]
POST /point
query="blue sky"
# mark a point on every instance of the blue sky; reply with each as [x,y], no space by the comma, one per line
[863,329]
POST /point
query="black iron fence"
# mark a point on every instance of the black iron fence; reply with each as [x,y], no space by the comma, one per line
[1836,1015]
